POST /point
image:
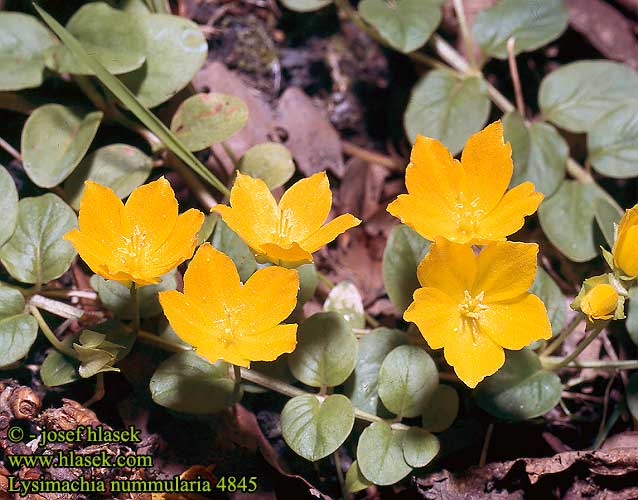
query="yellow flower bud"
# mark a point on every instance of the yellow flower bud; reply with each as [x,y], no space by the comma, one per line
[600,302]
[625,250]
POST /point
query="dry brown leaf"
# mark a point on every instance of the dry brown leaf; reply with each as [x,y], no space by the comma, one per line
[361,188]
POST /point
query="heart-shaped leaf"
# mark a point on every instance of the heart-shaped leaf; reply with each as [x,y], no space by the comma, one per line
[177,49]
[315,429]
[54,140]
[419,447]
[575,96]
[380,454]
[538,151]
[613,142]
[520,390]
[345,299]
[447,108]
[567,217]
[326,351]
[8,205]
[555,302]
[188,383]
[607,216]
[58,369]
[18,330]
[308,281]
[23,46]
[36,253]
[632,316]
[271,162]
[405,24]
[112,36]
[117,297]
[403,252]
[226,240]
[531,24]
[118,166]
[206,119]
[355,481]
[407,380]
[441,411]
[362,387]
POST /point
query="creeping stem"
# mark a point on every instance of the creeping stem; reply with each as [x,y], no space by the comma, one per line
[135,304]
[48,333]
[582,346]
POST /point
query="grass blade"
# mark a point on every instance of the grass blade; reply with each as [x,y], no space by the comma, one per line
[128,99]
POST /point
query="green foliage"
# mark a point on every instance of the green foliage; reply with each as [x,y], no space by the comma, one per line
[554,300]
[18,329]
[58,369]
[308,281]
[345,299]
[403,252]
[226,240]
[188,383]
[380,454]
[531,24]
[54,141]
[326,351]
[305,5]
[632,316]
[96,353]
[355,481]
[404,24]
[442,409]
[419,447]
[8,205]
[36,253]
[271,162]
[206,119]
[520,390]
[314,429]
[447,108]
[607,216]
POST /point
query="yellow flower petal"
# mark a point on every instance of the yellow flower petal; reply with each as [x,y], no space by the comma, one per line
[624,251]
[473,355]
[487,161]
[151,211]
[289,256]
[191,322]
[600,302]
[448,266]
[436,314]
[268,345]
[237,223]
[264,312]
[101,213]
[211,277]
[427,219]
[505,270]
[329,232]
[92,252]
[516,323]
[305,206]
[509,215]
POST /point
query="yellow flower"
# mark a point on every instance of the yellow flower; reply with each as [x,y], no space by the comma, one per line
[600,302]
[474,306]
[466,201]
[224,319]
[625,249]
[139,241]
[289,232]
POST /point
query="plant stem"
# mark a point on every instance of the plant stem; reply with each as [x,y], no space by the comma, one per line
[565,332]
[386,161]
[135,304]
[237,387]
[231,154]
[100,391]
[516,80]
[151,339]
[48,333]
[465,32]
[10,149]
[629,364]
[342,483]
[486,445]
[582,346]
[55,307]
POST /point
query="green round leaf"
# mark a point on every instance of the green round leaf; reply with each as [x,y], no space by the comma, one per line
[520,390]
[407,380]
[23,44]
[345,299]
[113,37]
[54,140]
[305,5]
[532,24]
[271,162]
[326,351]
[117,297]
[406,24]
[118,166]
[419,447]
[567,217]
[380,454]
[632,316]
[308,280]
[315,429]
[57,369]
[555,302]
[206,231]
[177,49]
[355,481]
[613,143]
[403,252]
[441,411]
[226,240]
[206,119]
[188,383]
[538,151]
[36,253]
[18,330]
[447,108]
[577,95]
[8,205]
[607,216]
[632,395]
[373,348]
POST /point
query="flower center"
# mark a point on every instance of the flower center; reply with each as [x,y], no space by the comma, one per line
[472,307]
[134,249]
[467,216]
[285,226]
